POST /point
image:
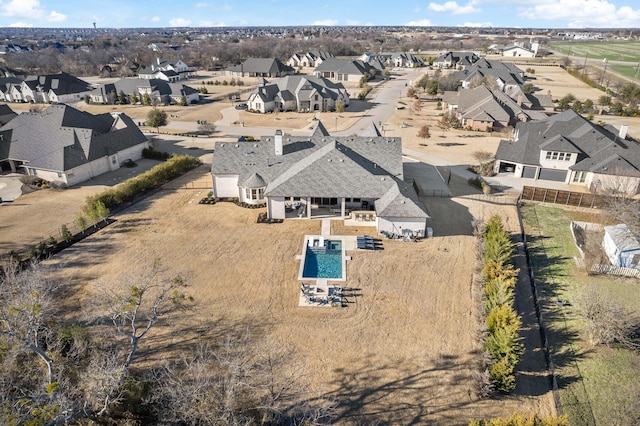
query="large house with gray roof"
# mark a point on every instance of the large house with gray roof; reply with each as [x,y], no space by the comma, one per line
[345,69]
[160,91]
[486,109]
[505,74]
[169,70]
[67,145]
[456,60]
[50,88]
[308,176]
[312,58]
[260,67]
[569,148]
[297,93]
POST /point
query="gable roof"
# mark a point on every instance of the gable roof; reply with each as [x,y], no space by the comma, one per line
[344,66]
[599,149]
[62,138]
[623,238]
[506,72]
[324,166]
[271,66]
[61,83]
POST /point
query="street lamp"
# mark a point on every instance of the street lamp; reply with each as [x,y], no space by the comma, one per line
[636,72]
[605,62]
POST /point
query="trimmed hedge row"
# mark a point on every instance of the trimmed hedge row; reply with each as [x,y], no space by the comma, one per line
[502,342]
[131,188]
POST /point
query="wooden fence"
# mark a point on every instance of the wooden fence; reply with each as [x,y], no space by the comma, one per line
[620,271]
[567,198]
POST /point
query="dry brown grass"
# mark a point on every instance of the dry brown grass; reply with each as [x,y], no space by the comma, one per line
[402,351]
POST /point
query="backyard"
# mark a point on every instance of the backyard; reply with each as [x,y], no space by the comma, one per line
[402,351]
[597,385]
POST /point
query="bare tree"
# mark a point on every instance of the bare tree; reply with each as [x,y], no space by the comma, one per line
[483,158]
[444,123]
[605,321]
[620,204]
[239,382]
[207,128]
[133,307]
[417,105]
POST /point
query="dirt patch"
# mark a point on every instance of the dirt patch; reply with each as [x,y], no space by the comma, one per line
[407,338]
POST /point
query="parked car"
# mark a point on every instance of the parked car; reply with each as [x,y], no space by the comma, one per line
[241,106]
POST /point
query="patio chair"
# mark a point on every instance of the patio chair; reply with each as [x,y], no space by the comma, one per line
[367,218]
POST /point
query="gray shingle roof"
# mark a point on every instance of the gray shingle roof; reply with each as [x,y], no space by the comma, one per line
[272,66]
[62,138]
[344,66]
[623,237]
[323,166]
[599,149]
[61,83]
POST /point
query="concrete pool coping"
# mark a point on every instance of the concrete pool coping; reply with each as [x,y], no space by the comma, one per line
[347,243]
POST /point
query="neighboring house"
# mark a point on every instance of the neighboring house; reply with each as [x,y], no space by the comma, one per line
[160,91]
[345,70]
[7,85]
[67,145]
[169,70]
[531,101]
[56,88]
[260,67]
[308,59]
[404,60]
[317,175]
[487,109]
[518,52]
[298,93]
[457,60]
[506,75]
[569,148]
[6,114]
[621,246]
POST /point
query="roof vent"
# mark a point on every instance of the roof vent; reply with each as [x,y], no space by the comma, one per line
[237,145]
[255,145]
[329,159]
[342,160]
[221,145]
[382,178]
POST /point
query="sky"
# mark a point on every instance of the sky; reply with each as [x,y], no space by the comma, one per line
[238,13]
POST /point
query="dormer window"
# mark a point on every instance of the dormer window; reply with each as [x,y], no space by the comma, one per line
[560,156]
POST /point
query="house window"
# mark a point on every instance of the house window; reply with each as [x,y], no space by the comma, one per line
[561,156]
[567,157]
[254,193]
[554,156]
[580,177]
[315,98]
[548,157]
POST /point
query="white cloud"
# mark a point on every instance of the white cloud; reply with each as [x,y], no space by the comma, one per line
[179,22]
[155,19]
[56,17]
[326,22]
[420,23]
[227,7]
[23,9]
[583,13]
[453,7]
[211,24]
[477,24]
[200,5]
[20,25]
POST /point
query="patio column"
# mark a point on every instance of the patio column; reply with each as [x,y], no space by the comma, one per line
[342,205]
[308,207]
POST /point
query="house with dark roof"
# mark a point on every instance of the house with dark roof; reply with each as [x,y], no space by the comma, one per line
[6,114]
[260,67]
[297,93]
[486,109]
[312,58]
[56,88]
[505,74]
[7,90]
[345,69]
[569,148]
[67,145]
[169,70]
[456,60]
[161,92]
[309,176]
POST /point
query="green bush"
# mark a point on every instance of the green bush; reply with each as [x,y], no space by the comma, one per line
[131,188]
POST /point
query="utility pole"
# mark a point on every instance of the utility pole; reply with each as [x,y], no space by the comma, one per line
[584,68]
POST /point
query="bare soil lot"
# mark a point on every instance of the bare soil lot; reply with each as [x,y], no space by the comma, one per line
[402,351]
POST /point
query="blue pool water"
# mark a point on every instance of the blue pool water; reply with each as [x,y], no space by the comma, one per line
[324,263]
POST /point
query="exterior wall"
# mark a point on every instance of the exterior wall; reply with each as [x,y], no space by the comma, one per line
[627,184]
[402,225]
[557,164]
[225,186]
[68,98]
[275,208]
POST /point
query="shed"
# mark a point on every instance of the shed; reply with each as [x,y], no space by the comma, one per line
[621,246]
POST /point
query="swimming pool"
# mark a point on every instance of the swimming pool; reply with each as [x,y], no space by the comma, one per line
[324,261]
